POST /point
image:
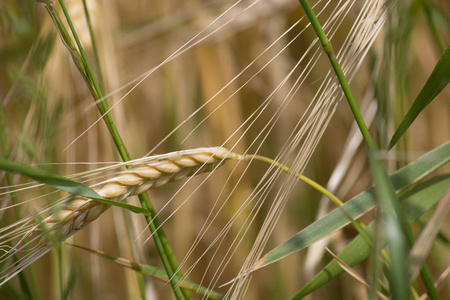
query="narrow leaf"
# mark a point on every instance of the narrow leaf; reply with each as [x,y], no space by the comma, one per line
[63,183]
[56,181]
[437,81]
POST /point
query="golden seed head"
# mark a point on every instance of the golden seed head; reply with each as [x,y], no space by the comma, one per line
[164,168]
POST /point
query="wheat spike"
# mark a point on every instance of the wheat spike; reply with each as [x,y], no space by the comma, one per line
[159,171]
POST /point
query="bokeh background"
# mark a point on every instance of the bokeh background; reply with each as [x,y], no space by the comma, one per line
[48,106]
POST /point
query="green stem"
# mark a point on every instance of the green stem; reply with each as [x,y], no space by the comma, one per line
[392,210]
[68,43]
[94,46]
[83,66]
[162,245]
[102,106]
[131,233]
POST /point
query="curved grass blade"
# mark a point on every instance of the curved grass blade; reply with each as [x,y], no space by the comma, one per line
[357,206]
[438,80]
[417,201]
[64,184]
[156,273]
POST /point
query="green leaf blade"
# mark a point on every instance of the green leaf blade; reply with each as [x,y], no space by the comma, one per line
[64,184]
[53,180]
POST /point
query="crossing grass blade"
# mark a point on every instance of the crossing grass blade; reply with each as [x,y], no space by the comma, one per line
[56,181]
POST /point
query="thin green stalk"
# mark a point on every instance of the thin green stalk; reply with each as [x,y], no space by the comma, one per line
[102,106]
[84,60]
[94,46]
[162,245]
[67,42]
[131,233]
[392,210]
[359,226]
[81,66]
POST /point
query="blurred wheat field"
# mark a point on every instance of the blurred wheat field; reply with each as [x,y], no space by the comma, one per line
[52,122]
